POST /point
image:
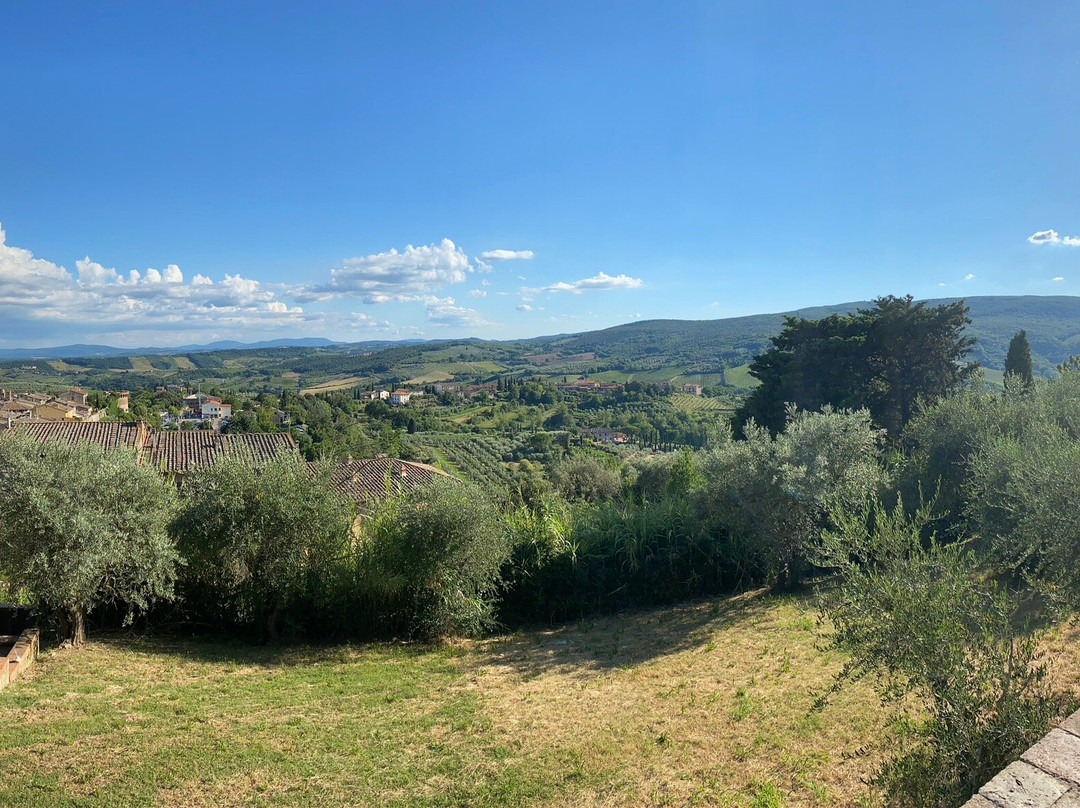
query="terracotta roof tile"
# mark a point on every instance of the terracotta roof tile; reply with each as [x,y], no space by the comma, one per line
[180,452]
[367,482]
[107,435]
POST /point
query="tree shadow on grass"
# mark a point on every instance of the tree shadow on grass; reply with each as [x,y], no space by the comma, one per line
[625,639]
[224,650]
[607,642]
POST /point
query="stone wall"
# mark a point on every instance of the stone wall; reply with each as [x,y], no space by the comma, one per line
[1047,774]
[22,650]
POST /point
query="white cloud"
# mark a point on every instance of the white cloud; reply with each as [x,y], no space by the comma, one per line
[1052,237]
[359,319]
[477,293]
[405,275]
[970,276]
[507,255]
[524,307]
[599,282]
[1044,237]
[1058,279]
[38,296]
[485,282]
[442,311]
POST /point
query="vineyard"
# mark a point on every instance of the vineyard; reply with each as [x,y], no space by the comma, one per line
[689,403]
[481,459]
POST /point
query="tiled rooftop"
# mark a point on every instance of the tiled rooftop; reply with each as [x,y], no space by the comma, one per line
[366,482]
[107,435]
[180,452]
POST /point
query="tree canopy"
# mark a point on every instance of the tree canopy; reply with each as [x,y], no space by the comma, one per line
[81,527]
[883,359]
[1018,359]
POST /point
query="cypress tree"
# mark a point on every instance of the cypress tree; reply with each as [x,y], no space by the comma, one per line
[1018,359]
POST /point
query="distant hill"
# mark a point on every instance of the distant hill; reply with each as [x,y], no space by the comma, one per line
[1052,325]
[710,352]
[80,351]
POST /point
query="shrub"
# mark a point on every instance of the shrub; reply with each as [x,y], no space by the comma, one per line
[921,620]
[427,564]
[585,478]
[1022,500]
[81,527]
[262,543]
[772,494]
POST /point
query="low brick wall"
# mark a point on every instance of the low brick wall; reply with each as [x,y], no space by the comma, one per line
[20,656]
[1047,774]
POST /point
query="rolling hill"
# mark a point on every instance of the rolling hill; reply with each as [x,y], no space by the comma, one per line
[712,352]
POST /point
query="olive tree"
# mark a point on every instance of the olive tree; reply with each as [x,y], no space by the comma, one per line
[923,621]
[259,540]
[81,527]
[428,562]
[775,491]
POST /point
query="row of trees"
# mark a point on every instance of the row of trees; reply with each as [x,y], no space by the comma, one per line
[253,549]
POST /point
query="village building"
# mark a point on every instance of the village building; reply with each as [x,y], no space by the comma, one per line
[55,411]
[71,405]
[76,395]
[213,407]
[399,398]
[693,389]
[601,434]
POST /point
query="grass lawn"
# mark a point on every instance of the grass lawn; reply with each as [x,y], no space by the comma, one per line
[705,704]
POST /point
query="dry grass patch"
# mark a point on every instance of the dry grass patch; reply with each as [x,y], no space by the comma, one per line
[707,704]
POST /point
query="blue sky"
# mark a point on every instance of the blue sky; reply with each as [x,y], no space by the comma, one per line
[342,169]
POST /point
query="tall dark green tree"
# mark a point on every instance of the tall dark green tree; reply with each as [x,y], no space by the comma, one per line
[1018,359]
[884,358]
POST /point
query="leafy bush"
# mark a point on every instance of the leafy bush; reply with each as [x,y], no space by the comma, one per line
[261,543]
[585,478]
[1021,499]
[919,618]
[427,563]
[81,527]
[773,493]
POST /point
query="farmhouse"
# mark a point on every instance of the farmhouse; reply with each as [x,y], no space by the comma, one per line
[601,434]
[213,407]
[400,397]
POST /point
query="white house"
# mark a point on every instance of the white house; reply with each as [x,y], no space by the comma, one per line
[399,397]
[214,408]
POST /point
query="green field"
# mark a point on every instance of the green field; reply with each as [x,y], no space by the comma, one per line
[740,377]
[706,704]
